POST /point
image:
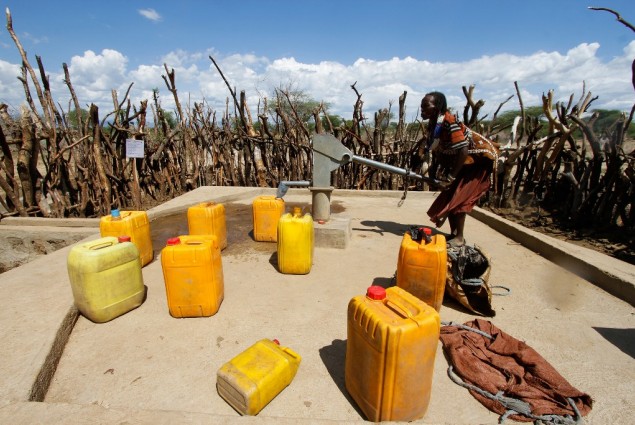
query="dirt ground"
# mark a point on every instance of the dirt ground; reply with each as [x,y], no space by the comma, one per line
[615,242]
[20,246]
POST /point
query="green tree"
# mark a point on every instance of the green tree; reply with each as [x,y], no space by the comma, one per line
[605,124]
[290,98]
[506,119]
[73,117]
[168,116]
[336,120]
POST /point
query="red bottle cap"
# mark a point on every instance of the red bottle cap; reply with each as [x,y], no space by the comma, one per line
[124,239]
[275,341]
[427,230]
[376,292]
[173,241]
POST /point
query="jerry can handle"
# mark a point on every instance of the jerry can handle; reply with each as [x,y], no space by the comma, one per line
[195,242]
[291,353]
[398,308]
[101,245]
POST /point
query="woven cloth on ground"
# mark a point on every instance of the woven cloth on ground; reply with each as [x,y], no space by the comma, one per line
[508,367]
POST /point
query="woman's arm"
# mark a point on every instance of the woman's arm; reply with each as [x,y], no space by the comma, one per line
[459,160]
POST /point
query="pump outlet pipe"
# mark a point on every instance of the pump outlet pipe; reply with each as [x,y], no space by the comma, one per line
[283,186]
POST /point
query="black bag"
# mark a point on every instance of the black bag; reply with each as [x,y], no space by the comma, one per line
[467,279]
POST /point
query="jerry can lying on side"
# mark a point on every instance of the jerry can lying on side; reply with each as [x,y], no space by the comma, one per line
[249,381]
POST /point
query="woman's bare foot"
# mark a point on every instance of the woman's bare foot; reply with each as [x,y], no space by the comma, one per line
[456,242]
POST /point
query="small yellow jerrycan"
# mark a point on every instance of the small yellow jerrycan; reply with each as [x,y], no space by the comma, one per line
[422,266]
[130,223]
[295,242]
[267,210]
[249,381]
[208,218]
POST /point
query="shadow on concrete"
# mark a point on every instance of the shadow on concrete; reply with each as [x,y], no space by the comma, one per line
[381,227]
[624,339]
[334,356]
[273,260]
[385,282]
[164,228]
[449,302]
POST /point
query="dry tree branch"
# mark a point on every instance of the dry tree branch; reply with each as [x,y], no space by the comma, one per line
[27,65]
[474,106]
[617,16]
[231,91]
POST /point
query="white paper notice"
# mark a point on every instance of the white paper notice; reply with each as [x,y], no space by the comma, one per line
[134,148]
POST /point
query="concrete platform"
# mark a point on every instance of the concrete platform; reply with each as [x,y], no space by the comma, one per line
[147,367]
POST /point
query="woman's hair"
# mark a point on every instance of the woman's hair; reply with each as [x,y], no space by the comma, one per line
[441,105]
[439,101]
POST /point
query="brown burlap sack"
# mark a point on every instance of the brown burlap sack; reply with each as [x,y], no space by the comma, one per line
[509,377]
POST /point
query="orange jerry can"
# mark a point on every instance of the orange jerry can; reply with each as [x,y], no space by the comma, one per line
[249,381]
[208,218]
[130,223]
[267,210]
[390,351]
[105,276]
[193,275]
[422,266]
[295,242]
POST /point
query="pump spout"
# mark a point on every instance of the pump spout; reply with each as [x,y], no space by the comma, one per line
[283,186]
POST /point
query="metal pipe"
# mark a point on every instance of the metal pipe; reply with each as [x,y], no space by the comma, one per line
[283,186]
[389,168]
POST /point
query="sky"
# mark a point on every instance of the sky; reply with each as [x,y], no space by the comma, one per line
[322,48]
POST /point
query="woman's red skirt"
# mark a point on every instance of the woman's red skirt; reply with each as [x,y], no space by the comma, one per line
[471,183]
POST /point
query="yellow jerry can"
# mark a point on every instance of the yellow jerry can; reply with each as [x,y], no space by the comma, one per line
[105,278]
[295,242]
[390,351]
[249,381]
[130,223]
[193,275]
[422,267]
[208,218]
[267,210]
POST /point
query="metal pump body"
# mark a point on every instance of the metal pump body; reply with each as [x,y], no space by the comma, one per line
[328,155]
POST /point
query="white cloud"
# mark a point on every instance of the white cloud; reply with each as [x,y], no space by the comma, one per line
[35,40]
[11,91]
[150,14]
[379,82]
[94,76]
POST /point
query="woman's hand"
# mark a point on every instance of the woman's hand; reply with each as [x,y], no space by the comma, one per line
[445,184]
[442,185]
